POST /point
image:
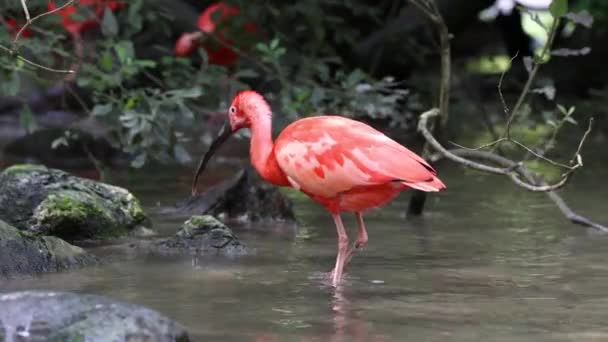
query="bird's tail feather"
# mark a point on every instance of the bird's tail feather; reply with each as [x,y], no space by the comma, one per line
[433,185]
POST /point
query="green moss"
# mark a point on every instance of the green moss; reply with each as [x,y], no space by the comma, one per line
[23,168]
[70,212]
[135,211]
[197,224]
[64,206]
[53,202]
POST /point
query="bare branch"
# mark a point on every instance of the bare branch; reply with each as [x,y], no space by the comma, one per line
[502,77]
[509,172]
[525,173]
[14,51]
[25,10]
[34,64]
[32,20]
[531,77]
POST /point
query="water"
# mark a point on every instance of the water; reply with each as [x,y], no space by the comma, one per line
[488,262]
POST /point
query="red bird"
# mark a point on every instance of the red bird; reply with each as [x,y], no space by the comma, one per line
[187,43]
[342,164]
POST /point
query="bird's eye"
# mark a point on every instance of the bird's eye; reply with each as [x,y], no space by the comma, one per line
[232,110]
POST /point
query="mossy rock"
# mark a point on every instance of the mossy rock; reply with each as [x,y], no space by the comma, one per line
[22,252]
[53,202]
[203,235]
[64,316]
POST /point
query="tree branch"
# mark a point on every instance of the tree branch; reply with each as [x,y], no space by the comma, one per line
[526,174]
[509,172]
[531,77]
[14,50]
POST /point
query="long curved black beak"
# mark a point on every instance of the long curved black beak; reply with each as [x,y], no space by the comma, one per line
[223,135]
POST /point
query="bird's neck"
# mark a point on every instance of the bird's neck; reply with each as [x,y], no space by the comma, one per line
[261,151]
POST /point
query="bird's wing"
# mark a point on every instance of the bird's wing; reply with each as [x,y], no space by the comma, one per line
[328,155]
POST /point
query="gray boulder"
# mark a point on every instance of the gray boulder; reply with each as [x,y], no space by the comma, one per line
[59,316]
[202,235]
[53,202]
[22,252]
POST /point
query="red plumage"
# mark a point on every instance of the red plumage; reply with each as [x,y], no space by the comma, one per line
[343,164]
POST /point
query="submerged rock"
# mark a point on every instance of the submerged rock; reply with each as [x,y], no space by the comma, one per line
[53,202]
[203,235]
[62,316]
[243,197]
[22,252]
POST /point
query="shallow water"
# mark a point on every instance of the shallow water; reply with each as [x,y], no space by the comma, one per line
[487,262]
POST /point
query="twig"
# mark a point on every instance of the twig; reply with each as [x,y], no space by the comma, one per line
[514,176]
[502,77]
[430,10]
[25,10]
[30,21]
[525,173]
[14,50]
[32,63]
[531,78]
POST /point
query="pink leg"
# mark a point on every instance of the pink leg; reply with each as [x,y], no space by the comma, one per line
[342,250]
[361,238]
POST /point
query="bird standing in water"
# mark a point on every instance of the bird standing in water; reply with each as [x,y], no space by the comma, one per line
[342,164]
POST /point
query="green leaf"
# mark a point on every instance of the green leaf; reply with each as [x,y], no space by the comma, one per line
[125,51]
[109,25]
[102,109]
[106,62]
[558,8]
[274,44]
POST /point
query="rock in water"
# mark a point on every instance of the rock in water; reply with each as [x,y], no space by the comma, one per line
[201,235]
[22,252]
[61,316]
[243,197]
[53,202]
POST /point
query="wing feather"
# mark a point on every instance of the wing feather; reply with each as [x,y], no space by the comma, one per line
[328,155]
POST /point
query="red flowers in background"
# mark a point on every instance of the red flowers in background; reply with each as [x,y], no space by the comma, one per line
[13,27]
[95,9]
[219,52]
[92,12]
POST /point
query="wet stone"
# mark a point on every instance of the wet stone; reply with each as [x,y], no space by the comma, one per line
[63,316]
[203,235]
[53,202]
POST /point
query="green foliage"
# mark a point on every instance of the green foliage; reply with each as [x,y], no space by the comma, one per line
[598,9]
[558,8]
[151,105]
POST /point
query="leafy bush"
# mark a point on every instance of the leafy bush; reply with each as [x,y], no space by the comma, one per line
[150,104]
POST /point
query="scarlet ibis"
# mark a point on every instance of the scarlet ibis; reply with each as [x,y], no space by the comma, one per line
[342,164]
[220,55]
